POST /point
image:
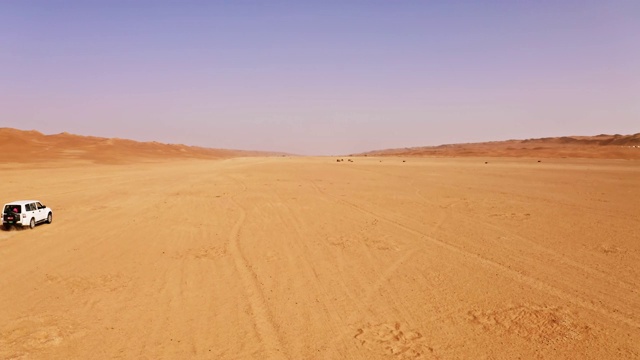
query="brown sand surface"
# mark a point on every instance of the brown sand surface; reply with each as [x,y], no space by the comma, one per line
[307,258]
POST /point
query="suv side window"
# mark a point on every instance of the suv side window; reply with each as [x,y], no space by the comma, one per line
[39,206]
[28,207]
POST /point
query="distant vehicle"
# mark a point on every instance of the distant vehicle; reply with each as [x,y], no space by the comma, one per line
[25,213]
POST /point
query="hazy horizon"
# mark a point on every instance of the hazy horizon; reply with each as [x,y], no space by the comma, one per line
[320,78]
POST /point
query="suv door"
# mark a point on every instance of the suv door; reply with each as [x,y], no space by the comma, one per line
[33,212]
[27,214]
[13,214]
[40,211]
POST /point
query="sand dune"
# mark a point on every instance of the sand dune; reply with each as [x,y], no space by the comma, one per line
[598,147]
[19,146]
[306,258]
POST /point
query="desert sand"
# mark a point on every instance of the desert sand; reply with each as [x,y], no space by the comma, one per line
[309,258]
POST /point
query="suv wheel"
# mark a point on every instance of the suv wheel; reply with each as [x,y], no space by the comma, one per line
[49,219]
[32,224]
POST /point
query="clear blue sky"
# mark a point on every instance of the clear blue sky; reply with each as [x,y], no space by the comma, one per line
[320,77]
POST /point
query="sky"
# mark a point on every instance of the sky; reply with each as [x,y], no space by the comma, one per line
[320,77]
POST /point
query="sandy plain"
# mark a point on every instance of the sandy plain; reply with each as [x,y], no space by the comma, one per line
[307,258]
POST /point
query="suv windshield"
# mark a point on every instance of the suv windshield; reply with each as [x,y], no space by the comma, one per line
[12,209]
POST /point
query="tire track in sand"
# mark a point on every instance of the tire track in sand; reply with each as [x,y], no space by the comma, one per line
[549,254]
[523,278]
[263,320]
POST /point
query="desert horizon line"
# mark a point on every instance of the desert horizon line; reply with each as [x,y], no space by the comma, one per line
[275,152]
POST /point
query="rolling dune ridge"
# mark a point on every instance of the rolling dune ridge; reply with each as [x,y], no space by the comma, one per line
[19,146]
[594,147]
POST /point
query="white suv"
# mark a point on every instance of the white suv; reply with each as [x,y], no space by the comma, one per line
[25,213]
